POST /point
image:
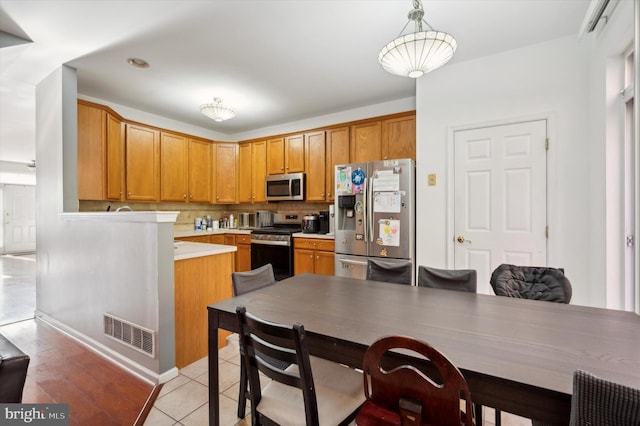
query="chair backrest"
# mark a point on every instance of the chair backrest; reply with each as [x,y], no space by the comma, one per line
[531,282]
[596,401]
[391,388]
[398,272]
[244,282]
[263,342]
[450,279]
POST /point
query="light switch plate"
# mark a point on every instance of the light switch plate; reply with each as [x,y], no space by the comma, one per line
[432,179]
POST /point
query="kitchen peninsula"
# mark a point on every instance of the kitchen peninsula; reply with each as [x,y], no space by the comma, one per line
[124,268]
[202,273]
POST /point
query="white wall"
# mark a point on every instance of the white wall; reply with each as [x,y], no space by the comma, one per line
[569,82]
[88,268]
[548,80]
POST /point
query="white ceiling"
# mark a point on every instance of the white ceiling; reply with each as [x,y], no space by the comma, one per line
[277,61]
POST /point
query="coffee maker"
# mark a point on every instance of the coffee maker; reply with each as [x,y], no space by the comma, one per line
[324,219]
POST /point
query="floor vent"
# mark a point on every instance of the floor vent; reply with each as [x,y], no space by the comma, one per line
[130,334]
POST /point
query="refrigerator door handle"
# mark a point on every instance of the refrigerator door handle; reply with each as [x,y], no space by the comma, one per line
[353,262]
[369,189]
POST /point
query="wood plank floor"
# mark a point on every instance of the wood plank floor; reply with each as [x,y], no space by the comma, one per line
[62,370]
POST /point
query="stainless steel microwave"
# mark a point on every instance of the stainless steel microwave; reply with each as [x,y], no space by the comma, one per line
[286,187]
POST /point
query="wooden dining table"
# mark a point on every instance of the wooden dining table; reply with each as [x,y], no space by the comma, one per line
[516,355]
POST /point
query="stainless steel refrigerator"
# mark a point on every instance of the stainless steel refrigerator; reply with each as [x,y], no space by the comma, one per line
[374,214]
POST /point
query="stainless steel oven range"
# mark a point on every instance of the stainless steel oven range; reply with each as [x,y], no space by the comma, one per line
[275,245]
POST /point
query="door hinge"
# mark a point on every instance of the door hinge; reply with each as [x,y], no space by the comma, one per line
[546,231]
[546,144]
[630,240]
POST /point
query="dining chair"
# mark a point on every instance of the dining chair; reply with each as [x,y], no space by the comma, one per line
[597,401]
[450,279]
[405,395]
[244,282]
[531,282]
[398,272]
[310,391]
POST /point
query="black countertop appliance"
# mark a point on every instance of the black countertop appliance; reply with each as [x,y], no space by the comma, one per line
[323,218]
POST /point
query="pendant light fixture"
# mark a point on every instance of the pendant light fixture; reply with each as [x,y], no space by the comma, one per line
[217,111]
[415,54]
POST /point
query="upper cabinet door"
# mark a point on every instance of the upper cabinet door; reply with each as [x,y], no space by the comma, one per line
[173,167]
[245,178]
[115,158]
[366,142]
[294,154]
[91,152]
[275,156]
[200,171]
[258,171]
[399,138]
[337,153]
[226,173]
[316,166]
[143,163]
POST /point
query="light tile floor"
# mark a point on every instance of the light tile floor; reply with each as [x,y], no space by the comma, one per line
[184,400]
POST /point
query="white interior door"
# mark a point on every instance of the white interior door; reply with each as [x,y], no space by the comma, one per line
[500,198]
[19,221]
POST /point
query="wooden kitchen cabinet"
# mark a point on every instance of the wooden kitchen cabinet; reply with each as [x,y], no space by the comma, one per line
[366,140]
[285,155]
[115,158]
[142,163]
[399,138]
[337,152]
[252,167]
[217,239]
[316,166]
[174,153]
[196,239]
[225,179]
[100,154]
[313,255]
[199,282]
[243,255]
[185,169]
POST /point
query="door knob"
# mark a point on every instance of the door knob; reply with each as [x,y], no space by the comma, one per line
[461,240]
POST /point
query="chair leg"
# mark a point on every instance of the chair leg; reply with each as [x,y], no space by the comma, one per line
[242,394]
[498,418]
[478,413]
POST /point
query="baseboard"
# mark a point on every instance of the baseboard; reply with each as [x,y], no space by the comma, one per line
[109,354]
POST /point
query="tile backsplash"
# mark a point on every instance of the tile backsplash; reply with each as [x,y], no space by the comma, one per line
[189,212]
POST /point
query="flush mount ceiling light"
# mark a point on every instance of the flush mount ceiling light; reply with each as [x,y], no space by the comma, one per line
[415,54]
[217,111]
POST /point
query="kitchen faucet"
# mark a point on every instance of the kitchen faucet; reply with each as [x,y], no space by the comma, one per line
[126,208]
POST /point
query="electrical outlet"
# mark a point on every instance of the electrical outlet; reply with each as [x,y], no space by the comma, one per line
[432,179]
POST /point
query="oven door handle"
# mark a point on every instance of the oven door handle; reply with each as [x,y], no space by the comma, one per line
[271,243]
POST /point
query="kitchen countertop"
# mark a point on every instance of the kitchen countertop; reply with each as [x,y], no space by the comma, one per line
[188,250]
[194,233]
[319,236]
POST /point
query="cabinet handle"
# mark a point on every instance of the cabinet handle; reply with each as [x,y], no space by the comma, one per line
[184,196]
[128,193]
[317,257]
[191,196]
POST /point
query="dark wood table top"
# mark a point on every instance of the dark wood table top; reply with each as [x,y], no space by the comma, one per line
[508,349]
